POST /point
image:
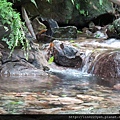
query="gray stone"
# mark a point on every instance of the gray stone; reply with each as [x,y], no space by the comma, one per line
[116,25]
[4,30]
[66,55]
[107,65]
[20,69]
[65,12]
[69,32]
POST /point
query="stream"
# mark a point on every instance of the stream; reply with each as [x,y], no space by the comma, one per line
[72,91]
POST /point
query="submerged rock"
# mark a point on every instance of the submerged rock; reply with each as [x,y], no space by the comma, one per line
[20,69]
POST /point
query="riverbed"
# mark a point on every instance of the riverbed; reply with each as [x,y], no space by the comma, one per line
[63,91]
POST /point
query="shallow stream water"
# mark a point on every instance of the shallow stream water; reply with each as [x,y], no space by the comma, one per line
[72,91]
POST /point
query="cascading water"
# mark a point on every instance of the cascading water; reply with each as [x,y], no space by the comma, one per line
[95,51]
[86,61]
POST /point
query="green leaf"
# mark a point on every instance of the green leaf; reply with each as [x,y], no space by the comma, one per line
[72,41]
[78,31]
[100,2]
[12,18]
[76,45]
[73,2]
[63,95]
[51,59]
[78,6]
[97,35]
[82,12]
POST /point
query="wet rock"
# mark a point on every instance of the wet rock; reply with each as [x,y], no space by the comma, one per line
[43,30]
[117,86]
[73,107]
[93,28]
[50,24]
[37,104]
[43,38]
[65,32]
[69,100]
[63,101]
[36,60]
[107,91]
[38,26]
[65,55]
[89,98]
[43,111]
[95,31]
[91,104]
[108,110]
[2,111]
[5,30]
[20,69]
[30,98]
[36,57]
[39,60]
[100,34]
[116,25]
[66,11]
[6,58]
[27,83]
[94,93]
[107,65]
[111,32]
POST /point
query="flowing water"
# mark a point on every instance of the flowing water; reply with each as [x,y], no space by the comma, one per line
[68,83]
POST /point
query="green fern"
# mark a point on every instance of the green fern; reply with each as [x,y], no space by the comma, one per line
[17,35]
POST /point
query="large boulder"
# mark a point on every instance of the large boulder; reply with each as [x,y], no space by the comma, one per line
[78,12]
[65,55]
[20,68]
[106,64]
[65,32]
[18,65]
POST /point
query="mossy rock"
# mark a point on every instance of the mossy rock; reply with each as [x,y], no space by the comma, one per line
[79,13]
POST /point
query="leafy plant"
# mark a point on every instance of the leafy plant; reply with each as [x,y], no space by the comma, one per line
[100,2]
[17,36]
[97,35]
[72,41]
[81,11]
[51,59]
[79,32]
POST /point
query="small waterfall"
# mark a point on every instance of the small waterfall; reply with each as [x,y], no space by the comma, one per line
[86,62]
[92,55]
